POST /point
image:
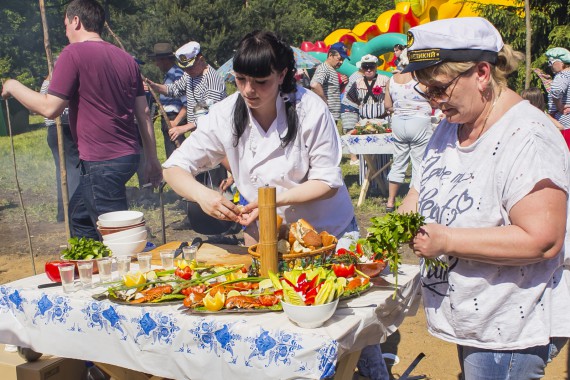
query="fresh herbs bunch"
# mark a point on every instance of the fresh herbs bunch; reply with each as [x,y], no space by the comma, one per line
[389,232]
[85,249]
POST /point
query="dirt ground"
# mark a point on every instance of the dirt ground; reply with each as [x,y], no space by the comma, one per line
[48,239]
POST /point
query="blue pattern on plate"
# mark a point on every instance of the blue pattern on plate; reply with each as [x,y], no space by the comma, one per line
[273,349]
[51,310]
[159,327]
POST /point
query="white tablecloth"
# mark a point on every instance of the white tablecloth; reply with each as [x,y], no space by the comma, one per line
[368,144]
[166,341]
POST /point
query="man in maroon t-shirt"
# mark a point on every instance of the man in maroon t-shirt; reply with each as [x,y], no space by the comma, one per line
[102,86]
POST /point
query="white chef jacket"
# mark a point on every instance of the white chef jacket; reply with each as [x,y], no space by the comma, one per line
[259,159]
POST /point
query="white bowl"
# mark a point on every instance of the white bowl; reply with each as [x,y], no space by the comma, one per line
[120,218]
[134,234]
[310,317]
[126,249]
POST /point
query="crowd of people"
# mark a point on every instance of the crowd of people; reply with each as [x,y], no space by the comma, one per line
[491,180]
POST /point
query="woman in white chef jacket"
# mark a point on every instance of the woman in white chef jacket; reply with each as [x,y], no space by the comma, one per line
[273,133]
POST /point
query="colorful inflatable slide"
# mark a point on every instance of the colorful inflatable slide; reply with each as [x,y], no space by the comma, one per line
[378,38]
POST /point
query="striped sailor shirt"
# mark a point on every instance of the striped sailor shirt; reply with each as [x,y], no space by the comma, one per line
[208,88]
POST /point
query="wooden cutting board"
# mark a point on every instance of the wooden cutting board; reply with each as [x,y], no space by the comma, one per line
[212,254]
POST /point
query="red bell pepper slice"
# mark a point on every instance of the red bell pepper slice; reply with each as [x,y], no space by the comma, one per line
[341,270]
[184,274]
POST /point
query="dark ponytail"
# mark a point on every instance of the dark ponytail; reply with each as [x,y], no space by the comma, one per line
[258,54]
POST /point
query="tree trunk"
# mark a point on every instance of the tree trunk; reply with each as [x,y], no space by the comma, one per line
[528,42]
[60,146]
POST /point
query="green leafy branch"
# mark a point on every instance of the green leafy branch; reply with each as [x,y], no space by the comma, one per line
[389,232]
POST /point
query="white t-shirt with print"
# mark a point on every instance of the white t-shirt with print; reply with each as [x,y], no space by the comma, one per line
[486,305]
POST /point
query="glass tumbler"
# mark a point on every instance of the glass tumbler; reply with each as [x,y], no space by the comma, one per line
[67,274]
[105,269]
[144,260]
[86,273]
[167,259]
[189,253]
[123,265]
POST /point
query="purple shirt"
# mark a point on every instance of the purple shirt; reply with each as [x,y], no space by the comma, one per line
[101,83]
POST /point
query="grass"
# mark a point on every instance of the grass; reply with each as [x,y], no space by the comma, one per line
[36,174]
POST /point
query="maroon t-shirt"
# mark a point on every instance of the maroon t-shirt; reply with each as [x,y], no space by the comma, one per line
[101,83]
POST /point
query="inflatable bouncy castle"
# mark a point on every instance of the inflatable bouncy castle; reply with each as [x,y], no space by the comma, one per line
[379,37]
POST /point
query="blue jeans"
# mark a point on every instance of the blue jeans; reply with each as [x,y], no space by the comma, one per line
[101,189]
[480,364]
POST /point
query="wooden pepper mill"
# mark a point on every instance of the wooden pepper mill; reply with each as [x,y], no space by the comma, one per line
[267,246]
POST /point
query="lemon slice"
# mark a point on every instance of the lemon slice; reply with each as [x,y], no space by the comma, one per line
[265,284]
[151,275]
[134,279]
[237,275]
[182,263]
[214,303]
[233,293]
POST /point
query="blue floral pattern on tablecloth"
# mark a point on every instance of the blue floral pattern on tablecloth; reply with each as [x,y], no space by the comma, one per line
[51,310]
[217,338]
[103,316]
[368,144]
[327,359]
[155,328]
[273,349]
[11,300]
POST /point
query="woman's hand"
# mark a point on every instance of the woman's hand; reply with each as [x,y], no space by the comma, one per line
[216,205]
[249,214]
[176,131]
[431,241]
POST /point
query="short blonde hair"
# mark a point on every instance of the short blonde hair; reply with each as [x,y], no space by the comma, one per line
[507,62]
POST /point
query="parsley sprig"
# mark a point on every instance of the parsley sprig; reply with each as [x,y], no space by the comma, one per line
[389,232]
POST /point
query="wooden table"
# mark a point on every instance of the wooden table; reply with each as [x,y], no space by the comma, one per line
[168,341]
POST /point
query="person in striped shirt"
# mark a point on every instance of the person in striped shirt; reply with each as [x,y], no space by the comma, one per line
[200,83]
[325,82]
[175,107]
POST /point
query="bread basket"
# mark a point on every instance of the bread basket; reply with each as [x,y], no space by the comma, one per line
[288,261]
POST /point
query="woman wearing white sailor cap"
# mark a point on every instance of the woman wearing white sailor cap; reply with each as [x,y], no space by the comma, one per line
[493,186]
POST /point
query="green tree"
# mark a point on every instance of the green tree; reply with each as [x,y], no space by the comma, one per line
[550,23]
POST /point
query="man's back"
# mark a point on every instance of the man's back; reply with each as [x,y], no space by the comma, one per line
[327,77]
[101,83]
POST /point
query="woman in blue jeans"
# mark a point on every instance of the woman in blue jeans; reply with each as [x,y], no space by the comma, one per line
[411,127]
[493,187]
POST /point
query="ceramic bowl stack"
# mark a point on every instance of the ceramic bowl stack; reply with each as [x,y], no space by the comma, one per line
[124,232]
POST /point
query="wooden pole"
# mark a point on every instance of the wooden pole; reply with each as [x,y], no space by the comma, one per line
[267,246]
[528,42]
[58,126]
[154,94]
[161,110]
[18,186]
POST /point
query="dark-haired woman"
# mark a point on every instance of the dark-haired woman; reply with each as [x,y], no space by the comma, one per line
[273,133]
